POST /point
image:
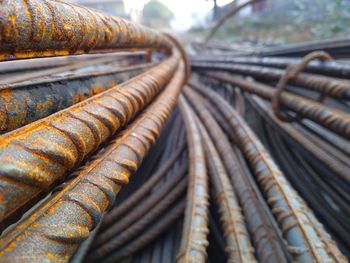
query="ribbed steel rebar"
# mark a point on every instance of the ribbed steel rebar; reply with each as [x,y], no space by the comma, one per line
[41,28]
[32,158]
[332,119]
[55,230]
[338,167]
[119,227]
[265,240]
[331,68]
[195,229]
[333,87]
[305,242]
[138,226]
[151,233]
[136,197]
[238,245]
[24,104]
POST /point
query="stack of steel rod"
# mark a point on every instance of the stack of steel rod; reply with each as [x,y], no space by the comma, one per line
[112,150]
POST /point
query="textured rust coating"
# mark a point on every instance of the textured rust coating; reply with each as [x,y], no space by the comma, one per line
[264,238]
[333,87]
[119,227]
[54,230]
[292,72]
[154,231]
[238,245]
[146,219]
[332,119]
[24,104]
[195,229]
[41,28]
[32,158]
[306,239]
[329,160]
[133,200]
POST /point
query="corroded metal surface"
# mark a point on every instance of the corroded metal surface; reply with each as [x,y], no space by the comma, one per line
[54,230]
[195,229]
[24,104]
[238,245]
[306,242]
[266,242]
[333,87]
[332,68]
[151,233]
[341,168]
[121,225]
[119,234]
[131,202]
[41,28]
[332,119]
[34,157]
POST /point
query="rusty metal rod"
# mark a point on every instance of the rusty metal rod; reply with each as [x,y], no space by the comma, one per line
[8,80]
[306,242]
[54,230]
[333,87]
[136,197]
[313,185]
[17,66]
[332,119]
[145,207]
[150,234]
[342,169]
[266,242]
[195,228]
[32,158]
[238,245]
[145,220]
[328,136]
[331,68]
[42,28]
[22,104]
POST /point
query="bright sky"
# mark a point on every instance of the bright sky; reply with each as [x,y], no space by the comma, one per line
[186,12]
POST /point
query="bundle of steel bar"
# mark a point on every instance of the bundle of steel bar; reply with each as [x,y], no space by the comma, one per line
[125,155]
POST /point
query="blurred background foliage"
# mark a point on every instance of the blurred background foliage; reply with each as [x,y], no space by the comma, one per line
[290,21]
[157,15]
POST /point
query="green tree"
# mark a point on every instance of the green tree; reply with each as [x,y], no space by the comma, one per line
[156,14]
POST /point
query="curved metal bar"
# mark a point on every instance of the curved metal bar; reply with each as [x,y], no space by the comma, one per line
[332,87]
[24,104]
[266,242]
[195,229]
[238,245]
[305,242]
[332,119]
[32,158]
[54,231]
